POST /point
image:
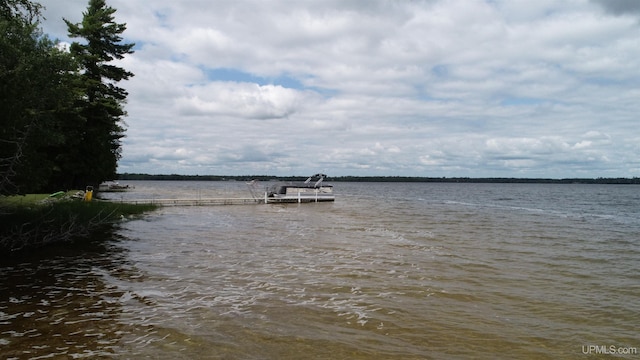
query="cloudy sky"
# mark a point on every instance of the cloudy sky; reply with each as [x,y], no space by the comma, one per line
[478,88]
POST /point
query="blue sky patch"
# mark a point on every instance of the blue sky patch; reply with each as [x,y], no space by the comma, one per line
[235,75]
[286,81]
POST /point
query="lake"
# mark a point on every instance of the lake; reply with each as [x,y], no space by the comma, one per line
[387,271]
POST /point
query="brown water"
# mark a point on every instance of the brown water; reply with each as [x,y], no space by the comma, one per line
[388,271]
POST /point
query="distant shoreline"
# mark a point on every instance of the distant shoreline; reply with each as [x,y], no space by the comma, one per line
[176,177]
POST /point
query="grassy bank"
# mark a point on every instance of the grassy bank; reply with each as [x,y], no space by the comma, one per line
[35,220]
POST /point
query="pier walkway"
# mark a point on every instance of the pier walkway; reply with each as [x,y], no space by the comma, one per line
[195,202]
[217,201]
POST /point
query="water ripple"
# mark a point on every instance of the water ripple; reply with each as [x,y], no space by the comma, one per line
[453,272]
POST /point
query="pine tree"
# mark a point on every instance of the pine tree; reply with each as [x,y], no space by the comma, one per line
[95,146]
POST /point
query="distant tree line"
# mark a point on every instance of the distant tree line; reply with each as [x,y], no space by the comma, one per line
[634,180]
[62,110]
[176,177]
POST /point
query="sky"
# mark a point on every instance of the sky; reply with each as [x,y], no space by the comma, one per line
[460,88]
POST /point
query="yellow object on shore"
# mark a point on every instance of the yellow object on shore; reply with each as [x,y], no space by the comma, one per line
[88,194]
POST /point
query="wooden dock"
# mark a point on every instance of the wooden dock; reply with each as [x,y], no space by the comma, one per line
[217,201]
[195,202]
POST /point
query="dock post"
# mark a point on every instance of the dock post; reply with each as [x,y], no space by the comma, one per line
[299,200]
[265,197]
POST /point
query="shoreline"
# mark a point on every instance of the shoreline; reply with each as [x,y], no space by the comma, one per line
[34,221]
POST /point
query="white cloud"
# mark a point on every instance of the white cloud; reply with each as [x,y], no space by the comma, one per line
[242,100]
[425,88]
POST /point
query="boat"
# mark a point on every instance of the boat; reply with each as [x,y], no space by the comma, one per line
[311,190]
[112,186]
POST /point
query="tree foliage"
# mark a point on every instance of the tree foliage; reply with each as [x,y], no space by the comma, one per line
[21,10]
[62,110]
[34,78]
